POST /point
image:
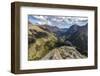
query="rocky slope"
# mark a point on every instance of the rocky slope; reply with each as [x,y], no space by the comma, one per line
[63,52]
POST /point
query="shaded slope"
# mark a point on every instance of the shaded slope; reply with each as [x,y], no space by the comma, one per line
[78,36]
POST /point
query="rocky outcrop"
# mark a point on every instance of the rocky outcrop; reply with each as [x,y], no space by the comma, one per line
[63,52]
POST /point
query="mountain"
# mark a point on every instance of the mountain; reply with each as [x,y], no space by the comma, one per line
[40,42]
[78,36]
[72,30]
[48,28]
[51,42]
[54,29]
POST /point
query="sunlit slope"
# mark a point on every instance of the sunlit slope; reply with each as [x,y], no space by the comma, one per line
[40,42]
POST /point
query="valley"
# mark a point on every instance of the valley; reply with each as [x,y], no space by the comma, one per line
[52,43]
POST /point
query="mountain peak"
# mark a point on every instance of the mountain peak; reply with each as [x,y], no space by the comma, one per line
[75,26]
[73,29]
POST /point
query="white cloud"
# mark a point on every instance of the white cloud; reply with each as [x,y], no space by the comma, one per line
[61,22]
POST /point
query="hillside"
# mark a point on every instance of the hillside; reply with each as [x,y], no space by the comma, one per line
[40,42]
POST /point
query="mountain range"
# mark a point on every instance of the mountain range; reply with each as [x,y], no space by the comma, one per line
[44,39]
[78,36]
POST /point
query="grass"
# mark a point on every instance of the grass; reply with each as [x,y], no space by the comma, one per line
[42,45]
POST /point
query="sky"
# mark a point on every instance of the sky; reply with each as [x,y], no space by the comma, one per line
[58,21]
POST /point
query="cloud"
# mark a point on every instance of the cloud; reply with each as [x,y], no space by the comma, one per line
[40,17]
[59,21]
